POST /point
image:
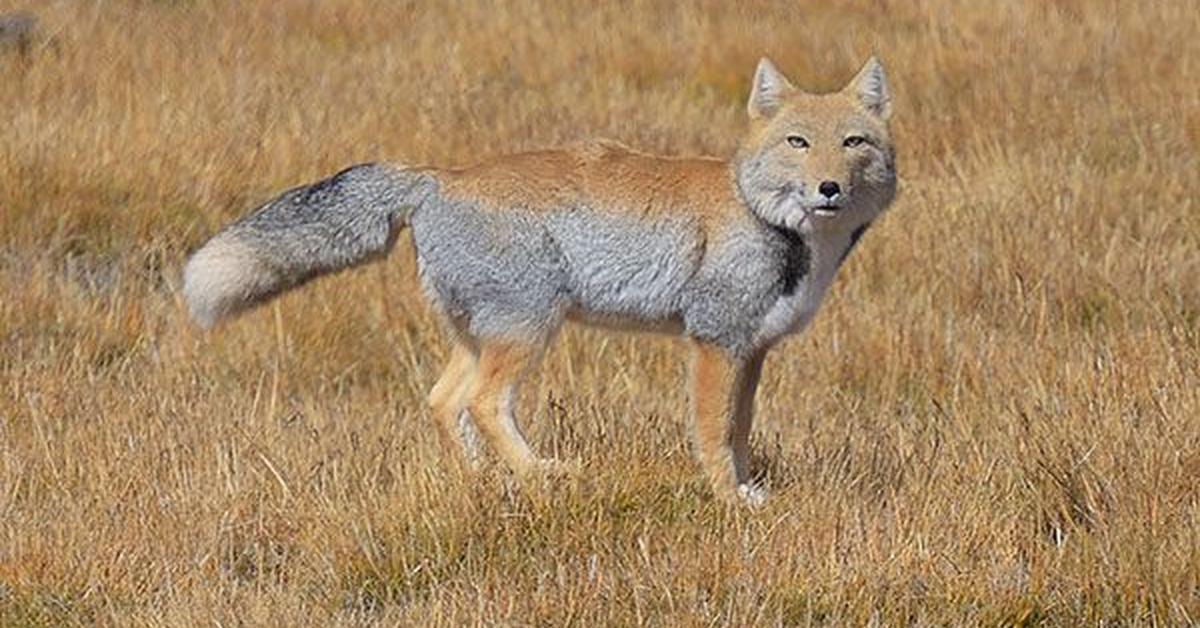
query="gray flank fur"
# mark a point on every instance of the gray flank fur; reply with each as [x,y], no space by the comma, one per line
[518,274]
[348,219]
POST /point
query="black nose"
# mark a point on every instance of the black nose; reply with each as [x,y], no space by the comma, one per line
[829,189]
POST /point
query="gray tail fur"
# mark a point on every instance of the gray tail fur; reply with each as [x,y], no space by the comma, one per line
[348,219]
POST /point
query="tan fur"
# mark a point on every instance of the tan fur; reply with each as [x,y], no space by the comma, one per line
[603,175]
[823,121]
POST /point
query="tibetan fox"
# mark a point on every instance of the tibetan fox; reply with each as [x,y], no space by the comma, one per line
[733,254]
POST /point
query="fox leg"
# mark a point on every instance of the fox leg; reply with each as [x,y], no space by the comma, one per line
[502,365]
[722,399]
[448,401]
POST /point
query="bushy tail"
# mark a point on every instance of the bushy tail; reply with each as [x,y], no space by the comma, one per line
[348,219]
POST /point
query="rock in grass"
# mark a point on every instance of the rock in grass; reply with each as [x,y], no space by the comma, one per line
[17,32]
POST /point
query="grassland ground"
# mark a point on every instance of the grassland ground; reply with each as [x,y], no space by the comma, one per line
[994,420]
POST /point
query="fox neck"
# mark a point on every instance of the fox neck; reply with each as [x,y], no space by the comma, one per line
[828,241]
[793,311]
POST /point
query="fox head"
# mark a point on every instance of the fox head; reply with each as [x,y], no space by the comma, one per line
[815,162]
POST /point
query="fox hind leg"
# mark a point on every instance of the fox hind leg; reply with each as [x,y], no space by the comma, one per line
[502,366]
[448,400]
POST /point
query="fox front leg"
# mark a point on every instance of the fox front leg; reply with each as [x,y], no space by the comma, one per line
[722,400]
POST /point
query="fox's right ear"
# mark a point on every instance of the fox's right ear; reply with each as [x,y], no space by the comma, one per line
[770,87]
[871,87]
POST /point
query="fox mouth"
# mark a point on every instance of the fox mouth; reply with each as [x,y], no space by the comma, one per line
[827,209]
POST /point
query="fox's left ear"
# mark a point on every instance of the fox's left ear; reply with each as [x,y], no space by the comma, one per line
[871,87]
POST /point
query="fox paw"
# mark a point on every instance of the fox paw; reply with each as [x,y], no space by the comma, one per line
[752,495]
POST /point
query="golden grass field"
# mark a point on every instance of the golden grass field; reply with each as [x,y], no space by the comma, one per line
[995,419]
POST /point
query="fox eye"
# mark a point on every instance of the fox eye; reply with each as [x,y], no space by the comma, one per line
[797,142]
[854,140]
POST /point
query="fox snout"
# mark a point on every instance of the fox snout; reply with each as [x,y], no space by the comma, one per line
[829,196]
[830,189]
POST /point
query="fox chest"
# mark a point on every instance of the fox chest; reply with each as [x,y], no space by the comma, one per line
[799,299]
[757,295]
[792,312]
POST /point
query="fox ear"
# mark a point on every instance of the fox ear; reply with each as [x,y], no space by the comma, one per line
[871,87]
[770,86]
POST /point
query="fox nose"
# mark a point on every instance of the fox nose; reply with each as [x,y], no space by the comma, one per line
[829,189]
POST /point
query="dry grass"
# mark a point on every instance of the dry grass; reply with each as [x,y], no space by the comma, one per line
[995,419]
